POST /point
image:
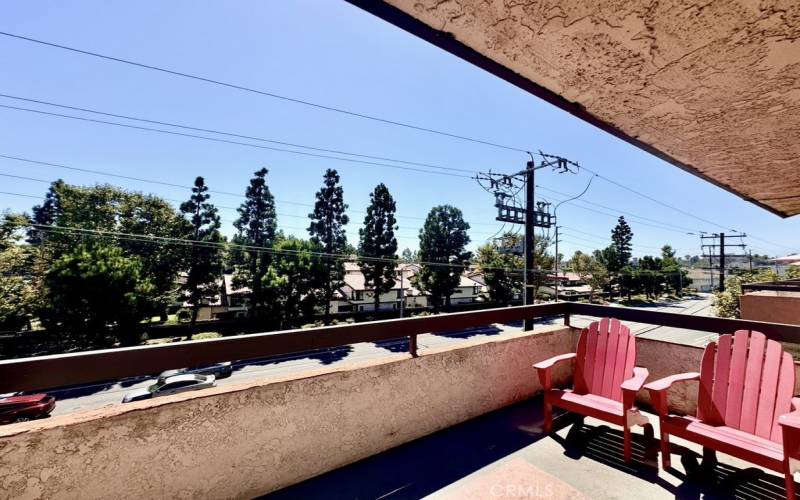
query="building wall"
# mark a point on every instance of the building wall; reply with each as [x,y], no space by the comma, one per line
[774,307]
[247,440]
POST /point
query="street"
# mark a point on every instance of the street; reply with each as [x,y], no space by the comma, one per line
[104,394]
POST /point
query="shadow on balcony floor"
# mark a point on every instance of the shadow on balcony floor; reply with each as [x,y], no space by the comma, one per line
[428,464]
[583,457]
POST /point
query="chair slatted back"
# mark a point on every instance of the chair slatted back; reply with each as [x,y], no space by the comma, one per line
[746,382]
[605,358]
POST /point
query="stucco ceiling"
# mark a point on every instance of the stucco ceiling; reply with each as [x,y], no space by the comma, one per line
[711,86]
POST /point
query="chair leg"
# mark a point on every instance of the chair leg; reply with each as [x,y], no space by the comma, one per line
[548,418]
[789,485]
[665,453]
[627,444]
[709,458]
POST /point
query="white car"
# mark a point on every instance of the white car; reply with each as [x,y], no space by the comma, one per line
[171,385]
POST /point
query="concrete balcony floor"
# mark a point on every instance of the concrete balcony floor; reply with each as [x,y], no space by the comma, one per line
[504,454]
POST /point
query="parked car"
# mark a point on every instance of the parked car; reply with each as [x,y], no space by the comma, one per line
[219,370]
[171,385]
[23,408]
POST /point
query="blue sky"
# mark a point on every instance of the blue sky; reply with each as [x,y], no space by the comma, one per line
[331,53]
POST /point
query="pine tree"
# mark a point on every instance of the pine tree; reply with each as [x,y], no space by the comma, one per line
[256,227]
[46,213]
[327,232]
[377,240]
[204,262]
[621,237]
[442,240]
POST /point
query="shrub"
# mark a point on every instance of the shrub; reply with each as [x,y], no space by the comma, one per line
[206,335]
[184,315]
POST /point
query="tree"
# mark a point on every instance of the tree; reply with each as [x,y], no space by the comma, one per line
[46,213]
[650,276]
[95,288]
[501,270]
[105,214]
[204,262]
[255,227]
[543,262]
[608,258]
[408,256]
[592,272]
[442,250]
[621,237]
[18,293]
[377,240]
[726,304]
[675,276]
[327,232]
[291,282]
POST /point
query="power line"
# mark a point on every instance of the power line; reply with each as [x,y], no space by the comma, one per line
[182,186]
[342,111]
[228,141]
[165,240]
[240,136]
[264,93]
[691,231]
[355,230]
[654,200]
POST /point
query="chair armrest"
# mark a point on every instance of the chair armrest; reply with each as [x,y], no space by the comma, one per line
[658,389]
[543,368]
[791,419]
[631,386]
[549,363]
[637,381]
[665,383]
[790,428]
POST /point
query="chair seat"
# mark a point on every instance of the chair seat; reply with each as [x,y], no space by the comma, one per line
[728,440]
[590,405]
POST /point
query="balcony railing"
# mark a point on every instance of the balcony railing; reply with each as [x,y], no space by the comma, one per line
[47,372]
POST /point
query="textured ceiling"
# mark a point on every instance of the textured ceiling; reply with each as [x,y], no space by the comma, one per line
[713,86]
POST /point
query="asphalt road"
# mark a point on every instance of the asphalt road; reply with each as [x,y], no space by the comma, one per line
[100,395]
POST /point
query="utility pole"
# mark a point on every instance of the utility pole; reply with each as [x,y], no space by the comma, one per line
[530,295]
[555,287]
[721,262]
[402,291]
[722,255]
[505,188]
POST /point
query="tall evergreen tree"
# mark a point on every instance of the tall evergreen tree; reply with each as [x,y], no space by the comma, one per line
[377,240]
[621,237]
[292,282]
[46,213]
[327,232]
[256,227]
[442,240]
[204,262]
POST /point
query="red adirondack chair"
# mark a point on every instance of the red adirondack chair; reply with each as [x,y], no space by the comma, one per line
[605,382]
[743,405]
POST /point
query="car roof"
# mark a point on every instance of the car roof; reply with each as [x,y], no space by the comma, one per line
[31,398]
[185,377]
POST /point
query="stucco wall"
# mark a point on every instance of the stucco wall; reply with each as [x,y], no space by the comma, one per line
[709,85]
[664,358]
[251,439]
[775,307]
